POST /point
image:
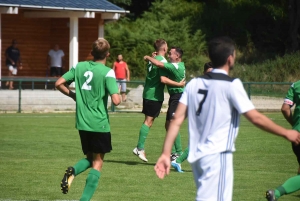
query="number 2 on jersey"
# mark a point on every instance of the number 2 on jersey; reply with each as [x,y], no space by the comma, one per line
[204,92]
[89,76]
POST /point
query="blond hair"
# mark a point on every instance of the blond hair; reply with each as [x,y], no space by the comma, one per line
[158,44]
[100,49]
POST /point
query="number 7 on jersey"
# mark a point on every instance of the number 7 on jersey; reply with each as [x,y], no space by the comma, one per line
[204,92]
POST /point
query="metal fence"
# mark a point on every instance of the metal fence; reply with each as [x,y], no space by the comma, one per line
[39,95]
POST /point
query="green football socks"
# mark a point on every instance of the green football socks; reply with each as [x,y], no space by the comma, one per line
[81,166]
[183,156]
[289,186]
[142,137]
[177,144]
[90,185]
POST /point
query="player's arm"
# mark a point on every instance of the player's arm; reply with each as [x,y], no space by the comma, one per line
[7,57]
[114,67]
[162,166]
[167,81]
[287,113]
[115,98]
[127,73]
[288,104]
[268,125]
[154,61]
[60,85]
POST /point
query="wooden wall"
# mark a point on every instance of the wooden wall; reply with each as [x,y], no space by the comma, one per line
[36,36]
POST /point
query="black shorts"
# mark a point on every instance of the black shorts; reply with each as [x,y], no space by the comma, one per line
[95,142]
[173,103]
[56,71]
[151,108]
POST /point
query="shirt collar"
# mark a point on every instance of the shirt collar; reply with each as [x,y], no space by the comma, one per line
[215,70]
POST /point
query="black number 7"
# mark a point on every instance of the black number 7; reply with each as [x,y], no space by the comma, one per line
[204,92]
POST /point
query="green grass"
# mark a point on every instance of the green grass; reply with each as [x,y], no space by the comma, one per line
[35,149]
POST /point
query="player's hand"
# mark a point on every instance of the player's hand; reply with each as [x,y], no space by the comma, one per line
[72,95]
[154,54]
[162,166]
[293,136]
[182,82]
[146,58]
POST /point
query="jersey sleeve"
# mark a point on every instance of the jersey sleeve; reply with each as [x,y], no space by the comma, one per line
[163,72]
[240,98]
[168,66]
[111,82]
[289,98]
[70,76]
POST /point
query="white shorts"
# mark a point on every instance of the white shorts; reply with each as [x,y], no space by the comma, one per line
[122,84]
[213,175]
[12,69]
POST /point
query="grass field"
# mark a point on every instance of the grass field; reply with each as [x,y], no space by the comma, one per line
[35,149]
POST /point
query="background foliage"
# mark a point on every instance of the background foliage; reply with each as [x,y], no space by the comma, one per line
[259,28]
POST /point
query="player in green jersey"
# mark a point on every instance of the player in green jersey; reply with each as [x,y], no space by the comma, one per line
[292,98]
[153,96]
[175,70]
[94,83]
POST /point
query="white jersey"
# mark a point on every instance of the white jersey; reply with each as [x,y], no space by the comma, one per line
[56,56]
[215,102]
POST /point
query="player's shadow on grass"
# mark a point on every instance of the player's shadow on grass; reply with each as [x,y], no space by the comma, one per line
[129,162]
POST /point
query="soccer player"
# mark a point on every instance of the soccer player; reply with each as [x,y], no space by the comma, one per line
[213,104]
[153,96]
[94,83]
[175,70]
[291,99]
[176,163]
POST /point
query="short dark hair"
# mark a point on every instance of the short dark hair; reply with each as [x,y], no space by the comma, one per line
[219,49]
[178,50]
[158,44]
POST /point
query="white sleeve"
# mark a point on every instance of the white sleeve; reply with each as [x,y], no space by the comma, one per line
[49,53]
[240,98]
[62,53]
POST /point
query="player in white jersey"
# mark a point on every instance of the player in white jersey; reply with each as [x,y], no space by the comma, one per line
[213,104]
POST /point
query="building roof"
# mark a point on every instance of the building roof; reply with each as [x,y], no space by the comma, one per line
[72,5]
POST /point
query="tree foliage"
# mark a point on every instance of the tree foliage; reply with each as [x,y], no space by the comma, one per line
[260,29]
[134,39]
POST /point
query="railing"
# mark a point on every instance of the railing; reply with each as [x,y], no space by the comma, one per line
[39,90]
[38,94]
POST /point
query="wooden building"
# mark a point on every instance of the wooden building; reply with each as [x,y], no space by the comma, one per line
[39,25]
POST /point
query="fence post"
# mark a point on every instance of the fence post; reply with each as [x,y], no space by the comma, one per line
[20,88]
[249,91]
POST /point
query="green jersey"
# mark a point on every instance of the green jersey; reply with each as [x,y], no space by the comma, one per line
[176,72]
[94,82]
[154,89]
[293,97]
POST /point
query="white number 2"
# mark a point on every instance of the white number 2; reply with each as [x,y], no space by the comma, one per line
[89,76]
